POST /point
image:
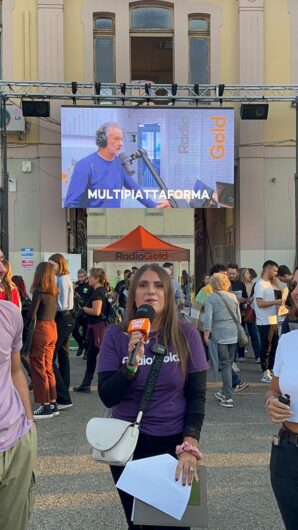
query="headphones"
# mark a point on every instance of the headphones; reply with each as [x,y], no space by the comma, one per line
[101,139]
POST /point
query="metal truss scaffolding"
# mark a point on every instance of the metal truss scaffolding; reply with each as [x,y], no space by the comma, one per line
[134,93]
[141,92]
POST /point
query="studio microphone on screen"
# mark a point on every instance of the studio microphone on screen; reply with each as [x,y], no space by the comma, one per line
[142,322]
[126,163]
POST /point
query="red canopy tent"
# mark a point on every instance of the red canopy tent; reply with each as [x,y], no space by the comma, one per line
[140,245]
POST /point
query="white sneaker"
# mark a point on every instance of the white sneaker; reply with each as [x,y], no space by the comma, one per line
[240,387]
[235,368]
[227,402]
[220,396]
[65,406]
[266,377]
[43,412]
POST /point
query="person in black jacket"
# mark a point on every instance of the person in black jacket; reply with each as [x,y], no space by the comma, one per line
[173,420]
[82,292]
[95,309]
[239,289]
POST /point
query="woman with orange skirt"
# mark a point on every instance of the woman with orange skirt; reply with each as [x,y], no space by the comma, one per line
[43,309]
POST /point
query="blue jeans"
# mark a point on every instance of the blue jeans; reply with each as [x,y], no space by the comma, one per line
[285,326]
[235,379]
[255,339]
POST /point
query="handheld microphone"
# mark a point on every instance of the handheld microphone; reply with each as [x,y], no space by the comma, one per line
[126,163]
[142,322]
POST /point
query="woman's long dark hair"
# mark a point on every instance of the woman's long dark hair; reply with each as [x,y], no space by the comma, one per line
[21,287]
[185,278]
[170,330]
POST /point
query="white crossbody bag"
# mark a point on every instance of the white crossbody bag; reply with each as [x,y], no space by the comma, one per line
[114,441]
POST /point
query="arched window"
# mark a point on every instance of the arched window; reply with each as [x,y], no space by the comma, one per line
[104,47]
[151,17]
[151,42]
[199,48]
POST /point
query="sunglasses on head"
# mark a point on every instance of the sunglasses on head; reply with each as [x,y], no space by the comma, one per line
[292,285]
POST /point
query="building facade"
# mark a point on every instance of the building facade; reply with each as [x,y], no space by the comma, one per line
[217,41]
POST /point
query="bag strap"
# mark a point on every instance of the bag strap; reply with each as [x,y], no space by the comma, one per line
[229,309]
[150,384]
[253,290]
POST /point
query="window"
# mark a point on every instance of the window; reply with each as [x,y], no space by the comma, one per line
[199,48]
[148,18]
[104,48]
[151,43]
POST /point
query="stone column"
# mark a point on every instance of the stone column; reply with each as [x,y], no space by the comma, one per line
[250,243]
[7,42]
[50,40]
[51,68]
[293,12]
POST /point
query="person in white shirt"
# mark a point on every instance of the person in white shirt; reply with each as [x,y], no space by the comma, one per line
[284,452]
[265,306]
[64,321]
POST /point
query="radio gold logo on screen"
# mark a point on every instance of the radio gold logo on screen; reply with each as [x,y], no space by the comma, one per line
[218,130]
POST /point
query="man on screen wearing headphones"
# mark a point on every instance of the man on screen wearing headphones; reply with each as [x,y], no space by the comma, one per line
[97,179]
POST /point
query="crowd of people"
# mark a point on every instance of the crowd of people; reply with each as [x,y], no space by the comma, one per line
[263,307]
[57,309]
[230,302]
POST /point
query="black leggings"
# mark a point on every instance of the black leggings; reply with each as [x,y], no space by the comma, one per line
[147,446]
[64,321]
[284,481]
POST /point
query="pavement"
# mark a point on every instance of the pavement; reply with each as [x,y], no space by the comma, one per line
[76,493]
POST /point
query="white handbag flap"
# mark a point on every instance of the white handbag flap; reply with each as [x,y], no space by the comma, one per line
[113,430]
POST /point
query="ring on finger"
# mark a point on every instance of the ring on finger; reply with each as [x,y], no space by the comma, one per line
[191,469]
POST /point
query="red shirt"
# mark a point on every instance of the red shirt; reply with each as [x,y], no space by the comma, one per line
[15,299]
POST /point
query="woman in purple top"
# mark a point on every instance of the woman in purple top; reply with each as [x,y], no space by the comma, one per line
[176,410]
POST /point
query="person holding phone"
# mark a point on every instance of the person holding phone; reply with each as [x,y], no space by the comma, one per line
[282,405]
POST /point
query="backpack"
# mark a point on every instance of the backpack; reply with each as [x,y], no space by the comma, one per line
[113,314]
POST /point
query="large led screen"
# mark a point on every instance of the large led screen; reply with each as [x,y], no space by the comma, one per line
[147,157]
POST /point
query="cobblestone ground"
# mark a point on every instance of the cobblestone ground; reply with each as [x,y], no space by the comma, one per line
[75,493]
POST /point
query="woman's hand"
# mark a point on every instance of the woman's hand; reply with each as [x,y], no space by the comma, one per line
[188,467]
[206,337]
[278,412]
[136,338]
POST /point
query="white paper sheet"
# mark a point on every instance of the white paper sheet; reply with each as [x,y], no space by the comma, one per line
[152,480]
